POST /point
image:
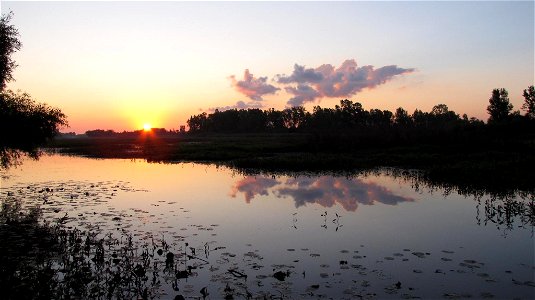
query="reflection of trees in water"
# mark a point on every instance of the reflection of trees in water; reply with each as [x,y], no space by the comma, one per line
[504,207]
[507,212]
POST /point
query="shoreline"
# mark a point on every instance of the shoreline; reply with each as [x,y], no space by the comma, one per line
[497,167]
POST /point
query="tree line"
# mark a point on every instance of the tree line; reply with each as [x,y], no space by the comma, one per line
[348,126]
[350,116]
[135,133]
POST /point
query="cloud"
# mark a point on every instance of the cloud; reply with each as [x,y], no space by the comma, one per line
[328,81]
[301,75]
[252,87]
[238,105]
[302,93]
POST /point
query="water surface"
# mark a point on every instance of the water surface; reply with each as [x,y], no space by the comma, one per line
[370,236]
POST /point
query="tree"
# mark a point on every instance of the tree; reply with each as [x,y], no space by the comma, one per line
[197,123]
[499,106]
[26,124]
[441,115]
[401,117]
[275,120]
[440,109]
[9,39]
[529,102]
[420,118]
[294,117]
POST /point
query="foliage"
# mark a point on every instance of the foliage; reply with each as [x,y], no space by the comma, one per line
[349,121]
[499,107]
[9,39]
[26,125]
[529,102]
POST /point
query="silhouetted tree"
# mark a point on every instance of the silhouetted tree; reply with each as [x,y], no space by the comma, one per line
[254,120]
[9,39]
[529,102]
[379,118]
[26,125]
[442,116]
[440,109]
[420,118]
[197,122]
[294,117]
[499,107]
[401,117]
[275,120]
[351,113]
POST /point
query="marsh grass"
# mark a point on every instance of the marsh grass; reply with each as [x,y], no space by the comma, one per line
[42,260]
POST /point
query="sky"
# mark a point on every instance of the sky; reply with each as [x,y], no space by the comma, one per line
[119,65]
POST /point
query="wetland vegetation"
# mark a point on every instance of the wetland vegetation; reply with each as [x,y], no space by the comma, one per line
[112,239]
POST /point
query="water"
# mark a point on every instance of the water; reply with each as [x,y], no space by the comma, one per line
[369,236]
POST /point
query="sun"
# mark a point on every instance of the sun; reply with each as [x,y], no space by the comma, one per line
[147,127]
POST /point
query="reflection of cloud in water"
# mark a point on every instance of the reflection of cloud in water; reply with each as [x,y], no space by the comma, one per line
[325,191]
[252,186]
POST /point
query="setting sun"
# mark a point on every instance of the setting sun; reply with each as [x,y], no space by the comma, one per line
[147,127]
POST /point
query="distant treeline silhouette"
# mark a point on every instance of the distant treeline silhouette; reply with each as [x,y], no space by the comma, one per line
[129,134]
[351,122]
[344,118]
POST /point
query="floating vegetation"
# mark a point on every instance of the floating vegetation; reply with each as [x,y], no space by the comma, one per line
[65,240]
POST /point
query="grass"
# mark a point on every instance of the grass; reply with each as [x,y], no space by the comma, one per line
[40,260]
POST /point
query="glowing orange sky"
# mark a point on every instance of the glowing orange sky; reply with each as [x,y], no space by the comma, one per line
[119,65]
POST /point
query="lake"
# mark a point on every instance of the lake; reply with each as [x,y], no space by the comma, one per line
[297,236]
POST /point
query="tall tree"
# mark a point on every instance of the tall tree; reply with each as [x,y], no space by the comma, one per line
[401,117]
[529,102]
[499,107]
[26,124]
[9,40]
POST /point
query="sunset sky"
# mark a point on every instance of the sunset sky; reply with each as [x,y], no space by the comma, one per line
[119,65]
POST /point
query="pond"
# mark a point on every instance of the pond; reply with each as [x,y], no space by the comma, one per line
[297,236]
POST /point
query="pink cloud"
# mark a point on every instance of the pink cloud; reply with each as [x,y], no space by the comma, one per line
[252,87]
[329,81]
